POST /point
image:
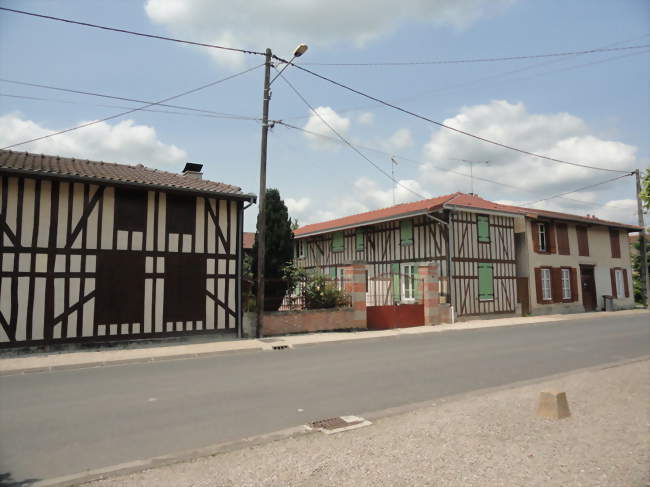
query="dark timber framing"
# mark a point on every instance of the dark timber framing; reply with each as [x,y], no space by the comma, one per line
[57,233]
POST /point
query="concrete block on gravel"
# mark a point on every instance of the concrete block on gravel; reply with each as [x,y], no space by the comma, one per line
[553,405]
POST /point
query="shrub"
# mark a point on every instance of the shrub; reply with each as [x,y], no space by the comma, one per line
[320,293]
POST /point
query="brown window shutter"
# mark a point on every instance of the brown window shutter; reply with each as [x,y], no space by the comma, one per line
[556,284]
[615,242]
[535,234]
[574,284]
[538,285]
[562,239]
[550,236]
[583,241]
[612,275]
[625,284]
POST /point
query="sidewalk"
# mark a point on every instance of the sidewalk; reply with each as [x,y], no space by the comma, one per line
[81,359]
[485,438]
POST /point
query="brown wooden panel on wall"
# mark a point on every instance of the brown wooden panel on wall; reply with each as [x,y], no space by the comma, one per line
[574,284]
[612,277]
[119,288]
[615,242]
[534,230]
[181,213]
[185,287]
[556,284]
[550,235]
[583,241]
[538,285]
[130,209]
[563,239]
[626,286]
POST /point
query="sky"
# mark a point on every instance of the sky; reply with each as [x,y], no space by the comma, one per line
[589,109]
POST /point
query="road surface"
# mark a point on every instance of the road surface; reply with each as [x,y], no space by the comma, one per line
[64,422]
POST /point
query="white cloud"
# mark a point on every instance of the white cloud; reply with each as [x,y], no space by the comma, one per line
[400,140]
[257,24]
[375,196]
[366,118]
[297,206]
[123,142]
[315,124]
[561,135]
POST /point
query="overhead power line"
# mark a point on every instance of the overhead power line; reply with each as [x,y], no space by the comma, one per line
[450,171]
[121,98]
[117,115]
[131,32]
[345,141]
[440,124]
[482,60]
[579,189]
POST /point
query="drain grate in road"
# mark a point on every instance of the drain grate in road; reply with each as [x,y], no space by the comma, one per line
[338,424]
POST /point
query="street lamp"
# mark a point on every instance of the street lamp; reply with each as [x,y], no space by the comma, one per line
[261,216]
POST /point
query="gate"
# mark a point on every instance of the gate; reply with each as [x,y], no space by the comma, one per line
[394,301]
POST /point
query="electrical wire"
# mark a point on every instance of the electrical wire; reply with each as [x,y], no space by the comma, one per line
[88,124]
[124,31]
[121,98]
[448,127]
[344,140]
[450,171]
[481,60]
[579,189]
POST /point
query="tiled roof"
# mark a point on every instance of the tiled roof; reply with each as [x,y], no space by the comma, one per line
[108,171]
[249,240]
[455,199]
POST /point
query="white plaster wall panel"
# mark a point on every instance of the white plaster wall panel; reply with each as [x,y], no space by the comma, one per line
[173,242]
[59,263]
[122,240]
[209,305]
[62,221]
[77,212]
[233,228]
[23,289]
[75,263]
[27,220]
[88,313]
[222,217]
[221,296]
[162,220]
[38,309]
[187,243]
[24,261]
[91,263]
[148,299]
[136,241]
[212,233]
[91,228]
[108,218]
[11,215]
[8,262]
[59,283]
[5,297]
[44,214]
[160,296]
[148,264]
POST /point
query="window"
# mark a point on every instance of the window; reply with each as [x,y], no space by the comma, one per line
[408,283]
[546,284]
[483,224]
[620,286]
[566,284]
[360,238]
[338,243]
[542,237]
[300,249]
[406,232]
[485,282]
[340,278]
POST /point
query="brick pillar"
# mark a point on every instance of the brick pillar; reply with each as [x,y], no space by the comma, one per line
[430,292]
[355,277]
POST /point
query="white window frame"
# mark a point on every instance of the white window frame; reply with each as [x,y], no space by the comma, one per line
[301,249]
[407,281]
[566,283]
[547,292]
[542,237]
[620,283]
[340,278]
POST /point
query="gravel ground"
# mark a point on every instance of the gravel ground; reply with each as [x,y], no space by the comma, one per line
[489,439]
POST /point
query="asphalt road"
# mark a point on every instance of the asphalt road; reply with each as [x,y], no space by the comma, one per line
[64,422]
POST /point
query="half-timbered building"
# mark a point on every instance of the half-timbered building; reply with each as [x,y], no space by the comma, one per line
[471,239]
[102,251]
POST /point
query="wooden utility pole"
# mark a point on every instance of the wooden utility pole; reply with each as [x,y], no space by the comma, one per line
[643,268]
[261,216]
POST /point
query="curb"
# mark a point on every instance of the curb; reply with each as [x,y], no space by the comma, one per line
[261,346]
[127,468]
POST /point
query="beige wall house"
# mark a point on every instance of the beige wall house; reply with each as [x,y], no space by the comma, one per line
[100,251]
[568,262]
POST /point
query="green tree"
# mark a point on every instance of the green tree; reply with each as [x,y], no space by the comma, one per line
[279,249]
[639,296]
[645,190]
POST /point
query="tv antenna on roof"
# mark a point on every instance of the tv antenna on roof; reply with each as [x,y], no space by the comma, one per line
[471,171]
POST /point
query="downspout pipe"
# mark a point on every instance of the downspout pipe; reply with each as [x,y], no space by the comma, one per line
[240,265]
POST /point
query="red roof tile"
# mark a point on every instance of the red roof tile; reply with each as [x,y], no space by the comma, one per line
[455,199]
[108,171]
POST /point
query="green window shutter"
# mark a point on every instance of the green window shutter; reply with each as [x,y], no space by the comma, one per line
[485,282]
[333,273]
[338,243]
[483,223]
[397,288]
[406,232]
[360,239]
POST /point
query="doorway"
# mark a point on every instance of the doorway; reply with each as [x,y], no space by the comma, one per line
[588,287]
